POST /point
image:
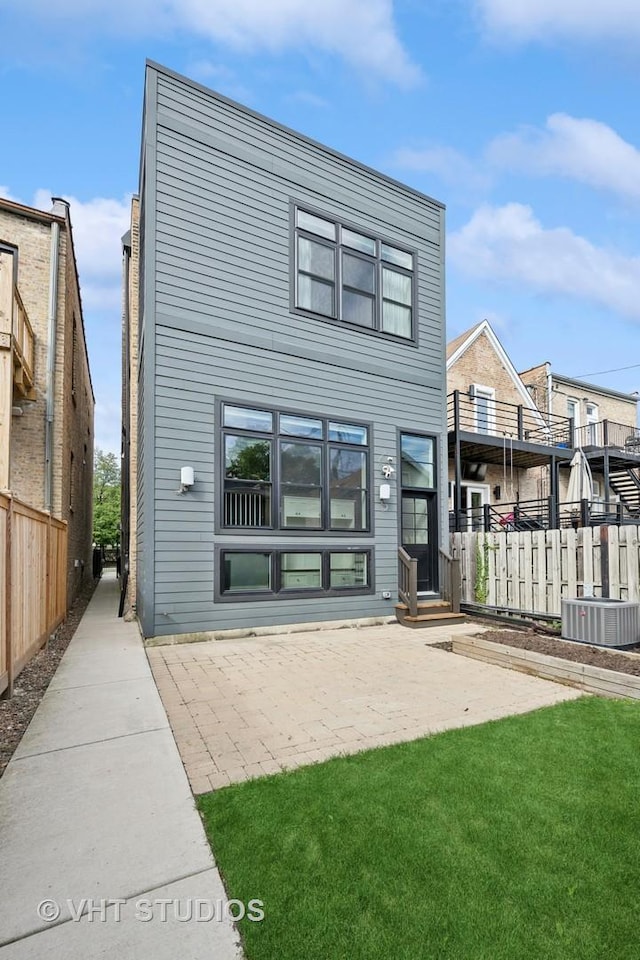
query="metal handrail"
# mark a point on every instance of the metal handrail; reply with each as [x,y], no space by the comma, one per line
[503,419]
[609,433]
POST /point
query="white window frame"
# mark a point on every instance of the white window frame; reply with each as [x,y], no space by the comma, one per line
[483,392]
[576,407]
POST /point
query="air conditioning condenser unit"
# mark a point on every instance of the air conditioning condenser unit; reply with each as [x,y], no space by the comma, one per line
[601,621]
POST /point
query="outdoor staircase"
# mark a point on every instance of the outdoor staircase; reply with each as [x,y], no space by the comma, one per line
[431,613]
[626,484]
[415,611]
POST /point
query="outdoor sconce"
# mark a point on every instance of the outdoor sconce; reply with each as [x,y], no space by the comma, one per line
[497,492]
[187,479]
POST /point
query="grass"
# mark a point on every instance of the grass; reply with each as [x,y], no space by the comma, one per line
[518,839]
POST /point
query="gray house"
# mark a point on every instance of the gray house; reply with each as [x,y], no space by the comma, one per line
[289,432]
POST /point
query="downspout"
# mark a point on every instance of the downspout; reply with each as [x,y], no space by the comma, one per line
[51,351]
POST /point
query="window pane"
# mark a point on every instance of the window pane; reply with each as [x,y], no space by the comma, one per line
[347,433]
[393,255]
[415,521]
[315,295]
[396,286]
[247,458]
[301,479]
[357,242]
[247,419]
[300,463]
[324,228]
[247,487]
[302,511]
[357,308]
[293,426]
[348,482]
[316,258]
[348,570]
[358,273]
[246,571]
[417,461]
[301,570]
[396,319]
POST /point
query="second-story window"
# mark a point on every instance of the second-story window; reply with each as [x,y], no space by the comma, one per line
[353,277]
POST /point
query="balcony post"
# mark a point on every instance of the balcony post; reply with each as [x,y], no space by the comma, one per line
[520,422]
[572,433]
[457,486]
[486,509]
[605,471]
[584,513]
[605,433]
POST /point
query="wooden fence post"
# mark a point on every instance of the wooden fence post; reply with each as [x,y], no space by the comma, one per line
[604,561]
[47,589]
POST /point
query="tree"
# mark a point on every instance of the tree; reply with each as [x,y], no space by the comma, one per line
[106,499]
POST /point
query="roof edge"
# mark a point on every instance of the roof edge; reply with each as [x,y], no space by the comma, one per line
[167,71]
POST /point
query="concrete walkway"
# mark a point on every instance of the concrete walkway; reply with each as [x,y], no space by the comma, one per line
[95,807]
[246,708]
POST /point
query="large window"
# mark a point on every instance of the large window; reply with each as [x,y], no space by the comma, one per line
[282,573]
[353,277]
[288,472]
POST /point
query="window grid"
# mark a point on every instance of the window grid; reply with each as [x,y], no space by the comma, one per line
[288,478]
[285,572]
[341,288]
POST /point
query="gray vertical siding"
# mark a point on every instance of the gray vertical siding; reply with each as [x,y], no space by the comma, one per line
[219,184]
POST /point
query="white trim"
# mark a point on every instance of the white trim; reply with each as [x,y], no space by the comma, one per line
[485,327]
[577,418]
[480,391]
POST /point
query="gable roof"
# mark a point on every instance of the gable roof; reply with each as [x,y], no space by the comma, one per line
[453,345]
[461,344]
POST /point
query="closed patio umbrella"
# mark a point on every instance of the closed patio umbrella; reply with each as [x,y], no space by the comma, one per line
[580,479]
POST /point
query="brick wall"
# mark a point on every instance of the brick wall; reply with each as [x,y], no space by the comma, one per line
[72,476]
[480,364]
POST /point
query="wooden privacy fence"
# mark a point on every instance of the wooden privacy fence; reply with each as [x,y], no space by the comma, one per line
[33,583]
[532,571]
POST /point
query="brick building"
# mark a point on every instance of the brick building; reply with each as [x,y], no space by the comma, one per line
[512,437]
[49,430]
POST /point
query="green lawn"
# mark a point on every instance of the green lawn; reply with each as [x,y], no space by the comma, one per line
[515,839]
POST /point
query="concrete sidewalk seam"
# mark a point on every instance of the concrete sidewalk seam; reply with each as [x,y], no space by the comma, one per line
[88,743]
[98,683]
[128,897]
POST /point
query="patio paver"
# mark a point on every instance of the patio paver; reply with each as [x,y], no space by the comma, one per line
[247,708]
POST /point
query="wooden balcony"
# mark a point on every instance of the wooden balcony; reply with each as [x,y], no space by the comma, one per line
[23,351]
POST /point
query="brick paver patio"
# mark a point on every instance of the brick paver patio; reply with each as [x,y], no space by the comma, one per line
[245,708]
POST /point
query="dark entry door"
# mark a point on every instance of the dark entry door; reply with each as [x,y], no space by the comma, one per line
[420,507]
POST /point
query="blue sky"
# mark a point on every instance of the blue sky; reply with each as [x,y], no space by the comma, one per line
[521,115]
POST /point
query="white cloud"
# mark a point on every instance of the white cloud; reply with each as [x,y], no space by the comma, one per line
[582,149]
[361,31]
[540,19]
[98,226]
[444,162]
[508,243]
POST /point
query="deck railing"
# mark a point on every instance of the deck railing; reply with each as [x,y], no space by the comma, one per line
[23,346]
[408,581]
[450,580]
[608,433]
[485,415]
[543,514]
